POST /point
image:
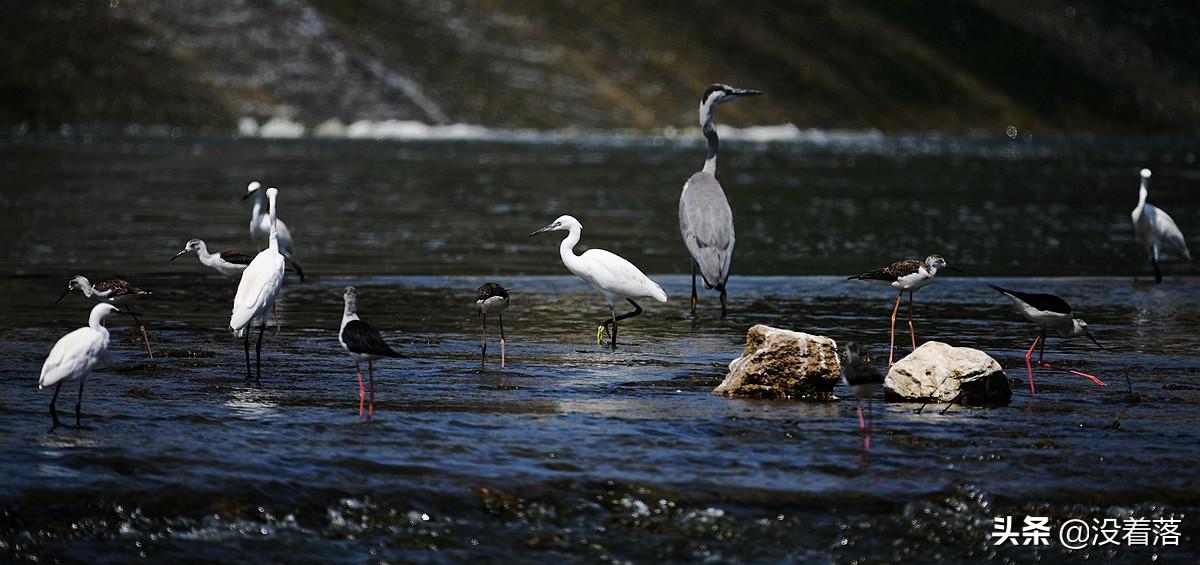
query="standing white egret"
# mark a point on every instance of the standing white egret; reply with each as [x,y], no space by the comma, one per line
[608,272]
[260,227]
[705,219]
[1156,230]
[908,276]
[491,298]
[113,291]
[363,343]
[75,355]
[257,291]
[229,263]
[1051,313]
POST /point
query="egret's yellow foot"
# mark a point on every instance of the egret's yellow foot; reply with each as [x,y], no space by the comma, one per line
[600,334]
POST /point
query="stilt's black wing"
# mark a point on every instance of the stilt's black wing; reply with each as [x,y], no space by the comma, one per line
[361,338]
[1043,302]
[231,256]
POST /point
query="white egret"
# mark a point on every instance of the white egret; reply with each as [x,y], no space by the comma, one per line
[260,227]
[113,291]
[364,344]
[608,272]
[75,355]
[908,276]
[1156,230]
[1050,313]
[258,290]
[491,298]
[705,218]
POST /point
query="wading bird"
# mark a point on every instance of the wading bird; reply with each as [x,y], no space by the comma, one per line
[491,298]
[229,263]
[608,272]
[908,276]
[864,380]
[363,343]
[257,291]
[705,219]
[260,227]
[1050,313]
[75,355]
[1156,230]
[113,291]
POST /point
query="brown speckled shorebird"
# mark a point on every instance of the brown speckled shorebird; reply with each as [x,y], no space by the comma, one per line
[113,291]
[908,276]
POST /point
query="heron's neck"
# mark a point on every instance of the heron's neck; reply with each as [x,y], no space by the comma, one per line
[567,249]
[714,144]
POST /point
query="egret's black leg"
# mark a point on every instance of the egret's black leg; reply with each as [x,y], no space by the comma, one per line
[723,299]
[79,403]
[483,353]
[501,317]
[246,342]
[694,290]
[53,410]
[637,310]
[1157,271]
[262,327]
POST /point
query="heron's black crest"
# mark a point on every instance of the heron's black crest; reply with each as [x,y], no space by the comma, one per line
[491,289]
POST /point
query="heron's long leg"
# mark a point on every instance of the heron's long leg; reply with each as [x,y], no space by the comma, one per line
[693,289]
[246,341]
[53,410]
[79,402]
[892,342]
[501,316]
[361,392]
[371,377]
[275,313]
[142,328]
[1028,366]
[483,341]
[723,299]
[262,327]
[912,330]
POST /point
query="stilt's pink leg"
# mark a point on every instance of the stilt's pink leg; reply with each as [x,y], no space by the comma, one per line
[892,339]
[861,425]
[1065,370]
[371,376]
[361,392]
[1028,365]
[146,338]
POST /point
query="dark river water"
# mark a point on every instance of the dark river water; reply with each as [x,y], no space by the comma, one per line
[575,453]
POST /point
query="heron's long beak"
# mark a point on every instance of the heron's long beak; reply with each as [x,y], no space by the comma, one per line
[542,229]
[1089,335]
[64,295]
[178,255]
[747,92]
[955,269]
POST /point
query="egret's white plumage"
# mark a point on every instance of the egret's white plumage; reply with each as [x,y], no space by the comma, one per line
[259,287]
[608,272]
[260,227]
[75,355]
[1156,230]
[705,218]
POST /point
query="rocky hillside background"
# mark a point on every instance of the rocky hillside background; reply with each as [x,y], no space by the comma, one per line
[1119,66]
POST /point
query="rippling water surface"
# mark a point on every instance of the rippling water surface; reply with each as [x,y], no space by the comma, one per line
[574,452]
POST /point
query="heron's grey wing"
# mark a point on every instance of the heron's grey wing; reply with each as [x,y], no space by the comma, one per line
[706,223]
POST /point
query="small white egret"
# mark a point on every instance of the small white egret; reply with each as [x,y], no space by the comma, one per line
[258,290]
[1051,313]
[608,272]
[113,291]
[864,380]
[1156,230]
[491,298]
[260,227]
[363,343]
[908,276]
[705,218]
[229,263]
[75,355]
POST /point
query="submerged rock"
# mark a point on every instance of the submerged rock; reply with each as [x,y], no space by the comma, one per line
[783,364]
[938,372]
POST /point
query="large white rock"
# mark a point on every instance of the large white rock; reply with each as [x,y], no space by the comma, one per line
[783,364]
[938,372]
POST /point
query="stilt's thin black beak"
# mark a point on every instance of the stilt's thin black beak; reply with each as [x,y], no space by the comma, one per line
[1089,335]
[129,312]
[542,229]
[248,193]
[64,295]
[178,255]
[955,269]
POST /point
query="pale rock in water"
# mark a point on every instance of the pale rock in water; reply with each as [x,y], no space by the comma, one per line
[938,372]
[783,364]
